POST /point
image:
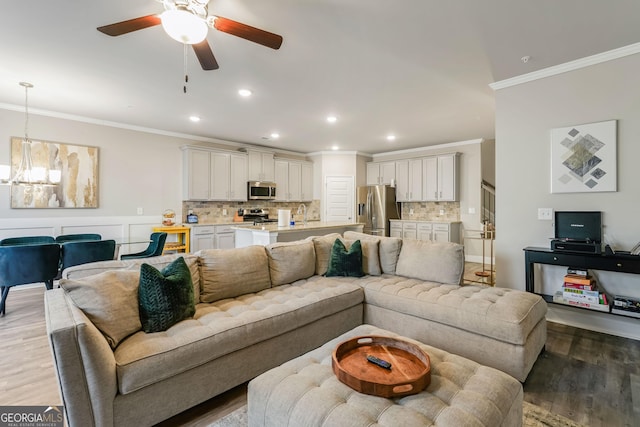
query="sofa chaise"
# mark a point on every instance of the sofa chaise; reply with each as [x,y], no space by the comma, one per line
[258,307]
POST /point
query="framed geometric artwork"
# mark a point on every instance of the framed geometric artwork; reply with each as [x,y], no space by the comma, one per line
[583,158]
[75,168]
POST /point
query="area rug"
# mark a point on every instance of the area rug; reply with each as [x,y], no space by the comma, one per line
[533,416]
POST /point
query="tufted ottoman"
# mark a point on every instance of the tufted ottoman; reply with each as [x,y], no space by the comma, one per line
[305,392]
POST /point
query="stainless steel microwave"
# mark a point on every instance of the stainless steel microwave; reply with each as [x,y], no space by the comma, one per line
[261,190]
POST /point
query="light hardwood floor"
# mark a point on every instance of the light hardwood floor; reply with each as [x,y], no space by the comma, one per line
[589,377]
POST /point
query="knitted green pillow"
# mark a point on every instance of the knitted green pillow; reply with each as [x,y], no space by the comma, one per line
[165,297]
[343,262]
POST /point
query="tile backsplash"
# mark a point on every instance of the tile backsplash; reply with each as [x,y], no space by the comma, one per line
[430,211]
[209,211]
[212,211]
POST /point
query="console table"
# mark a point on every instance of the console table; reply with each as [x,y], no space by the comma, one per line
[617,262]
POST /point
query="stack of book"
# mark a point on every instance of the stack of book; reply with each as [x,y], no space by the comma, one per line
[580,289]
[626,306]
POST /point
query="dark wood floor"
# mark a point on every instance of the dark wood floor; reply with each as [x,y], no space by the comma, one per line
[589,377]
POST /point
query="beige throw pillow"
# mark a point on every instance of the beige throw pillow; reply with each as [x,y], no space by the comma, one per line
[159,262]
[322,246]
[389,249]
[110,301]
[440,262]
[229,273]
[291,261]
[370,258]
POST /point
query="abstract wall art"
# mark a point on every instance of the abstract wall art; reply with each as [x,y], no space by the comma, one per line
[78,176]
[583,158]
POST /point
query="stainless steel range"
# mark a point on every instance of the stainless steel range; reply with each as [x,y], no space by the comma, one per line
[257,216]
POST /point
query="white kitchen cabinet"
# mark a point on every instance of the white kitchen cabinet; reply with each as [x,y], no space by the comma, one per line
[380,172]
[426,230]
[409,180]
[214,175]
[441,178]
[238,177]
[446,232]
[220,178]
[289,176]
[228,176]
[281,178]
[212,237]
[395,228]
[225,237]
[197,168]
[225,241]
[409,230]
[306,184]
[202,237]
[261,166]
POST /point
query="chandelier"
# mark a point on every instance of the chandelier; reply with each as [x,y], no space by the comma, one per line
[27,173]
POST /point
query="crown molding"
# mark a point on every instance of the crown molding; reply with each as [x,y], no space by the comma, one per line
[429,148]
[588,61]
[91,120]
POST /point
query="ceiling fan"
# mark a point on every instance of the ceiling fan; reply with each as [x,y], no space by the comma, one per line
[188,22]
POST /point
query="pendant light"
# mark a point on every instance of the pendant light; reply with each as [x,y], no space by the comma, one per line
[27,173]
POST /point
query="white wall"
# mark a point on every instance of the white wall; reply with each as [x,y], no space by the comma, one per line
[136,169]
[525,114]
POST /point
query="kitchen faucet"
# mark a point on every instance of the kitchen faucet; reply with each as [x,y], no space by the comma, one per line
[302,207]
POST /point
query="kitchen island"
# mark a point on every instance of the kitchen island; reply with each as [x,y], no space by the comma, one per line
[271,232]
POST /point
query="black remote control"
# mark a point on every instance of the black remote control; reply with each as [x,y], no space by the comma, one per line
[376,361]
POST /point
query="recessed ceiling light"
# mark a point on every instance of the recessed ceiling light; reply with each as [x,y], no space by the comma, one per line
[194,119]
[391,137]
[244,93]
[275,135]
[332,119]
[335,148]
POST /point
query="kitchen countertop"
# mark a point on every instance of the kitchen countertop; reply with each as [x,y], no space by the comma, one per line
[273,226]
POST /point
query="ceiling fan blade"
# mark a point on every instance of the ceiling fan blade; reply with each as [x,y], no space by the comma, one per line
[124,27]
[205,55]
[248,32]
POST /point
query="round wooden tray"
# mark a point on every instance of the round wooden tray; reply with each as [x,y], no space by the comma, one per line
[410,371]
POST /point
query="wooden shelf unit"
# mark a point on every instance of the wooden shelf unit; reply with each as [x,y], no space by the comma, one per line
[621,263]
[181,244]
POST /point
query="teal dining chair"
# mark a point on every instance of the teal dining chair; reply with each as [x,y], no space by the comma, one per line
[26,240]
[23,264]
[154,249]
[63,238]
[83,252]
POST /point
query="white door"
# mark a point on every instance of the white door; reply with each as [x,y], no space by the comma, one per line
[339,200]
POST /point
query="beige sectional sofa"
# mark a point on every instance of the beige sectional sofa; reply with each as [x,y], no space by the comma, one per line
[258,307]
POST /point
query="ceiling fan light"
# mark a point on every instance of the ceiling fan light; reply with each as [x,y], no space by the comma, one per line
[184,26]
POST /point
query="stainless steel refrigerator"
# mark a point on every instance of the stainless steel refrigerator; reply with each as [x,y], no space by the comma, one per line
[376,205]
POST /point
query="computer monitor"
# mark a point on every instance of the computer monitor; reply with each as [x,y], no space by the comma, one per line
[580,226]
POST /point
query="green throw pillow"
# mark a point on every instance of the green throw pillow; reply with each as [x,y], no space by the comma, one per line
[343,262]
[165,297]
